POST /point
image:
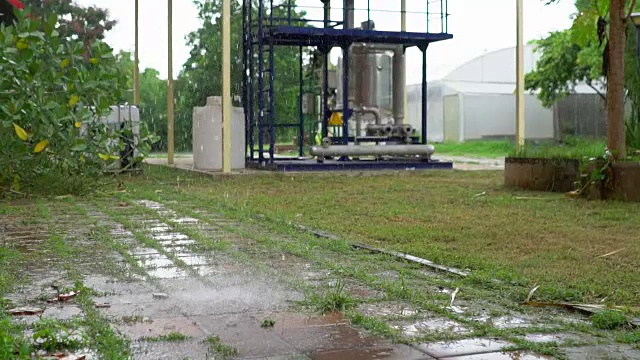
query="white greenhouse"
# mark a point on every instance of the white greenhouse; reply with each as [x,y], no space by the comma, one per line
[477,101]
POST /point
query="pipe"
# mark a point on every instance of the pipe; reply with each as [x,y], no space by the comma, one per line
[398,84]
[350,14]
[373,150]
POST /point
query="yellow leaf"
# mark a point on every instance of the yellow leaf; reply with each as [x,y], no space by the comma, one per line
[74,100]
[20,132]
[114,157]
[21,45]
[41,146]
[65,63]
[78,124]
[94,61]
[104,157]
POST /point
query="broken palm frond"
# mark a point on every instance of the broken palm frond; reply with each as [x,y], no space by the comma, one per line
[413,259]
[533,198]
[531,293]
[588,309]
[322,234]
[611,253]
[453,296]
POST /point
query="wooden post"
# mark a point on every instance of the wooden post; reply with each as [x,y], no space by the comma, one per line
[170,101]
[226,86]
[136,58]
[520,137]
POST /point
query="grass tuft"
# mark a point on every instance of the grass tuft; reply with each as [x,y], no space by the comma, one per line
[170,337]
[609,320]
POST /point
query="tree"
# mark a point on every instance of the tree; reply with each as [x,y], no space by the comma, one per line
[153,98]
[587,38]
[200,78]
[86,24]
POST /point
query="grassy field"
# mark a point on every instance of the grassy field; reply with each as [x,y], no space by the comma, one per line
[569,148]
[462,219]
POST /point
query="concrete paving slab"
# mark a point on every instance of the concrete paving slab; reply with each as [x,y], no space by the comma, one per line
[280,357]
[199,298]
[501,356]
[428,325]
[190,349]
[287,321]
[62,312]
[603,352]
[141,310]
[320,339]
[242,332]
[161,326]
[463,347]
[557,338]
[389,352]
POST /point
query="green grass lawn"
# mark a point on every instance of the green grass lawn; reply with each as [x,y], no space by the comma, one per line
[524,238]
[570,148]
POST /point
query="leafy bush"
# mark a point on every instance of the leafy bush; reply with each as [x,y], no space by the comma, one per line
[53,94]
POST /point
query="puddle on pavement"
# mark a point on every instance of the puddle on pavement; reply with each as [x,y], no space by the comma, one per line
[192,260]
[167,245]
[388,310]
[167,273]
[170,236]
[557,338]
[158,229]
[144,251]
[504,322]
[445,349]
[204,270]
[185,220]
[285,321]
[429,326]
[154,261]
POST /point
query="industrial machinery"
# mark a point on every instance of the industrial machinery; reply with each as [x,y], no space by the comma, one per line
[362,119]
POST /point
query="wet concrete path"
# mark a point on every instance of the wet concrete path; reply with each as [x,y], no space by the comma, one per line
[191,284]
[210,295]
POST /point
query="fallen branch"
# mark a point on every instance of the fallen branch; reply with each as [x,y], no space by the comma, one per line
[415,259]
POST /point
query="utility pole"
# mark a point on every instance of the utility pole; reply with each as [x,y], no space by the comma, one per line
[520,78]
[226,86]
[136,58]
[170,114]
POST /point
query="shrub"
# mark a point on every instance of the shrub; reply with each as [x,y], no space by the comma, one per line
[53,92]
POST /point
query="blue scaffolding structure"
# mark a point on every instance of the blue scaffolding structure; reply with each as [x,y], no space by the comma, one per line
[264,28]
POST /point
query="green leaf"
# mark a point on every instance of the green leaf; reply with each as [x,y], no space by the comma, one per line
[79,147]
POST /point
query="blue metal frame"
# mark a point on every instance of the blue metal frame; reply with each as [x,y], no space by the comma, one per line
[263,33]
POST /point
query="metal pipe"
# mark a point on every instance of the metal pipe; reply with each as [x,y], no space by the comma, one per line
[373,150]
[424,96]
[350,18]
[398,84]
[300,99]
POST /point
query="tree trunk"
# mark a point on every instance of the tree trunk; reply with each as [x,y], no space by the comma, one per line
[615,80]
